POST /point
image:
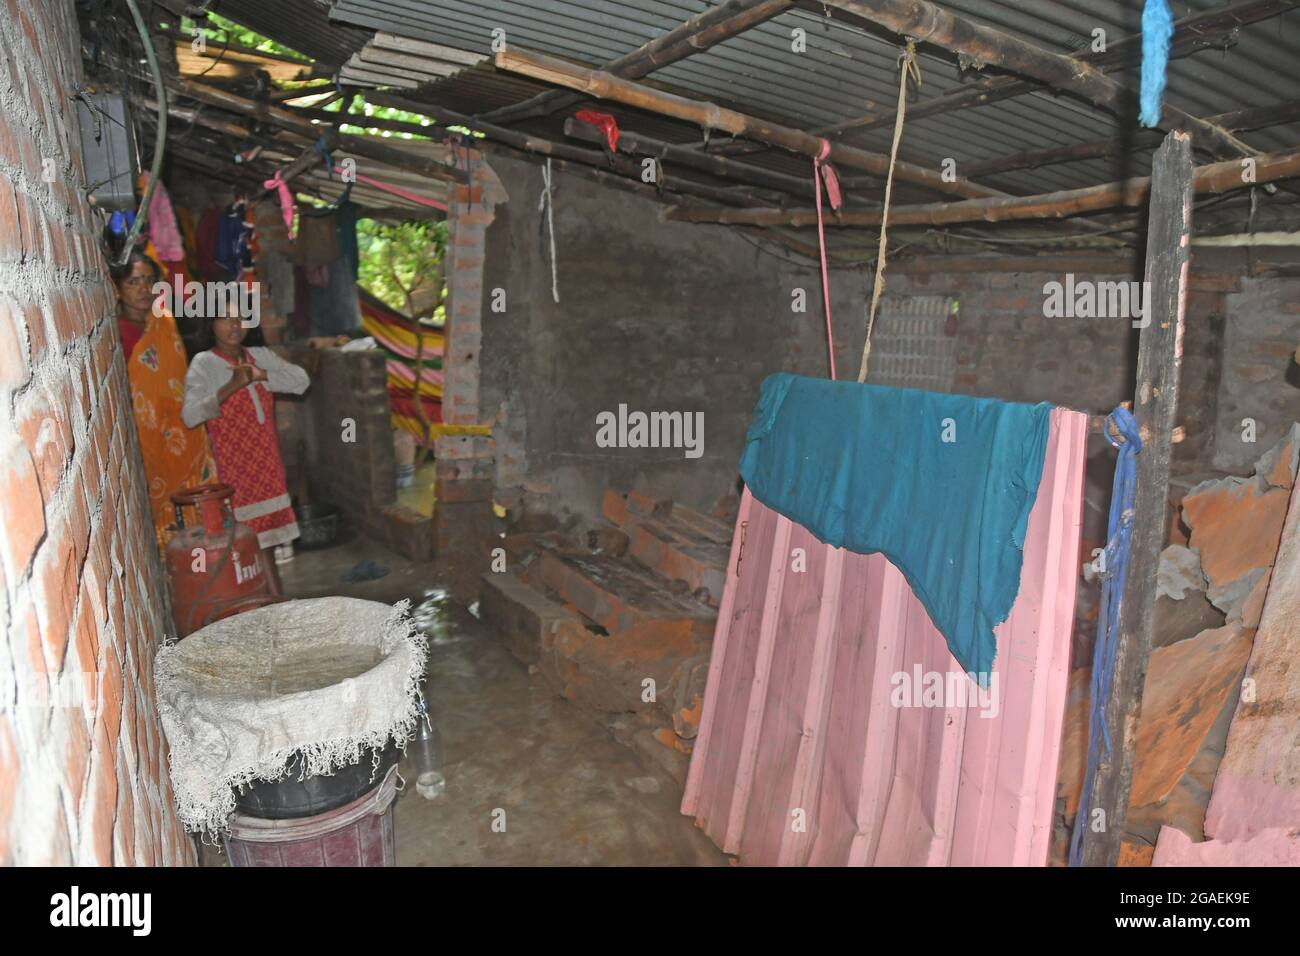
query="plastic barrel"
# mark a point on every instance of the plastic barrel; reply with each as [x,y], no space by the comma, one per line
[359,833]
[291,797]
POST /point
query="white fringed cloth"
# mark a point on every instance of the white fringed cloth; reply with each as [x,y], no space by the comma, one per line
[325,679]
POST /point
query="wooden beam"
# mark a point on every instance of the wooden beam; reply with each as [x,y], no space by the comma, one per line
[927,23]
[289,119]
[1155,402]
[606,86]
[541,146]
[698,33]
[315,89]
[1255,117]
[629,142]
[1191,33]
[1213,178]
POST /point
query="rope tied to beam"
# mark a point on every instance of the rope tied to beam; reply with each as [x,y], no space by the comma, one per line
[1121,430]
[546,204]
[908,67]
[822,170]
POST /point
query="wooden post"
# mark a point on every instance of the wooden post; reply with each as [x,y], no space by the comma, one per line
[1160,353]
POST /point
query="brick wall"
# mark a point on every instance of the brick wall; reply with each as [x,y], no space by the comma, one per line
[1006,347]
[346,422]
[1263,331]
[83,768]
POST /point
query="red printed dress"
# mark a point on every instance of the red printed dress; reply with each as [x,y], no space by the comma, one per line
[244,439]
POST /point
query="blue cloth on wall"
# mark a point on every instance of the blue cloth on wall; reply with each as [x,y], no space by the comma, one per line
[335,309]
[866,467]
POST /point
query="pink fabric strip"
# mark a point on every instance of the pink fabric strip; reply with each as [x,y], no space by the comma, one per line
[396,190]
[822,169]
[277,183]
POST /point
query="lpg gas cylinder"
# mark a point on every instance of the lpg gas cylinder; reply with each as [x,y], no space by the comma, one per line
[215,565]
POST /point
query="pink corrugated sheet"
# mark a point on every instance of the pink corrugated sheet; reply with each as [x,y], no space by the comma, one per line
[802,759]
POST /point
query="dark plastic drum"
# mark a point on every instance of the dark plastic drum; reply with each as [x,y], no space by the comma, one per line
[290,798]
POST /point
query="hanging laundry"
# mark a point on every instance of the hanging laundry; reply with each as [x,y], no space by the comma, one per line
[318,241]
[345,220]
[335,309]
[163,232]
[942,485]
[233,254]
[301,303]
[206,238]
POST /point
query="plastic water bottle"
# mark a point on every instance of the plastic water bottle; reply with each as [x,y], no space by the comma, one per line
[425,749]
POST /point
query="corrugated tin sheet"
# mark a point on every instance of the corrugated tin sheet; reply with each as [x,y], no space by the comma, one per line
[302,25]
[803,756]
[848,71]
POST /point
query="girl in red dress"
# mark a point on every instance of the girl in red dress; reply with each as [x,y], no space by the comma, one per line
[231,387]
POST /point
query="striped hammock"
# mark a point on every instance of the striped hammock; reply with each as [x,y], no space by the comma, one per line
[400,338]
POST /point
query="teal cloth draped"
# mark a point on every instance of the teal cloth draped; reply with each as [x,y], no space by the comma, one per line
[942,485]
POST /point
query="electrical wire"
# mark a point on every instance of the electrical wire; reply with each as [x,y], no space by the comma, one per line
[159,142]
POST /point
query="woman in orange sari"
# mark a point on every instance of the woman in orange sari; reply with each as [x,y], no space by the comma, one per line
[175,457]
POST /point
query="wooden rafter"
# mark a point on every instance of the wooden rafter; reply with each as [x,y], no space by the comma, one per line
[698,33]
[630,142]
[1255,117]
[1191,33]
[288,119]
[927,23]
[1213,178]
[606,86]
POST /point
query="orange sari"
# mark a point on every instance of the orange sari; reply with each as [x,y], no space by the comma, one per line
[175,457]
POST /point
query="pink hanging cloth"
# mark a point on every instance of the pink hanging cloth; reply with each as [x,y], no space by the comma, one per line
[163,231]
[285,195]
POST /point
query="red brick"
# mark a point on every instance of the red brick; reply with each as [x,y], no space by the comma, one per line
[76,761]
[10,237]
[22,509]
[54,583]
[14,368]
[110,698]
[31,229]
[9,768]
[103,796]
[49,449]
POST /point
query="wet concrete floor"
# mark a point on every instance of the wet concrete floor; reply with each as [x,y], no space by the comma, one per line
[530,779]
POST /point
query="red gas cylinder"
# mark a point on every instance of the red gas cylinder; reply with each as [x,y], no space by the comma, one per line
[215,564]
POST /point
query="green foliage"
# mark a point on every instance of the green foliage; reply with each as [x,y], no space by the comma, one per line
[220,30]
[401,264]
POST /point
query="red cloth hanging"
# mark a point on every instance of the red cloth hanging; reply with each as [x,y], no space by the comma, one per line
[603,122]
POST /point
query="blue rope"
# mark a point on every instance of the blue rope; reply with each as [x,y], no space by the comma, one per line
[324,152]
[1157,28]
[1119,529]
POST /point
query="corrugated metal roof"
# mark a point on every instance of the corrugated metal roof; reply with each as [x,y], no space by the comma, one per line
[302,25]
[847,71]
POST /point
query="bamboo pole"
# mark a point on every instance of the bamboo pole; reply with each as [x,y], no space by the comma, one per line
[1256,117]
[1212,178]
[1197,31]
[289,119]
[931,24]
[629,142]
[700,32]
[606,86]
